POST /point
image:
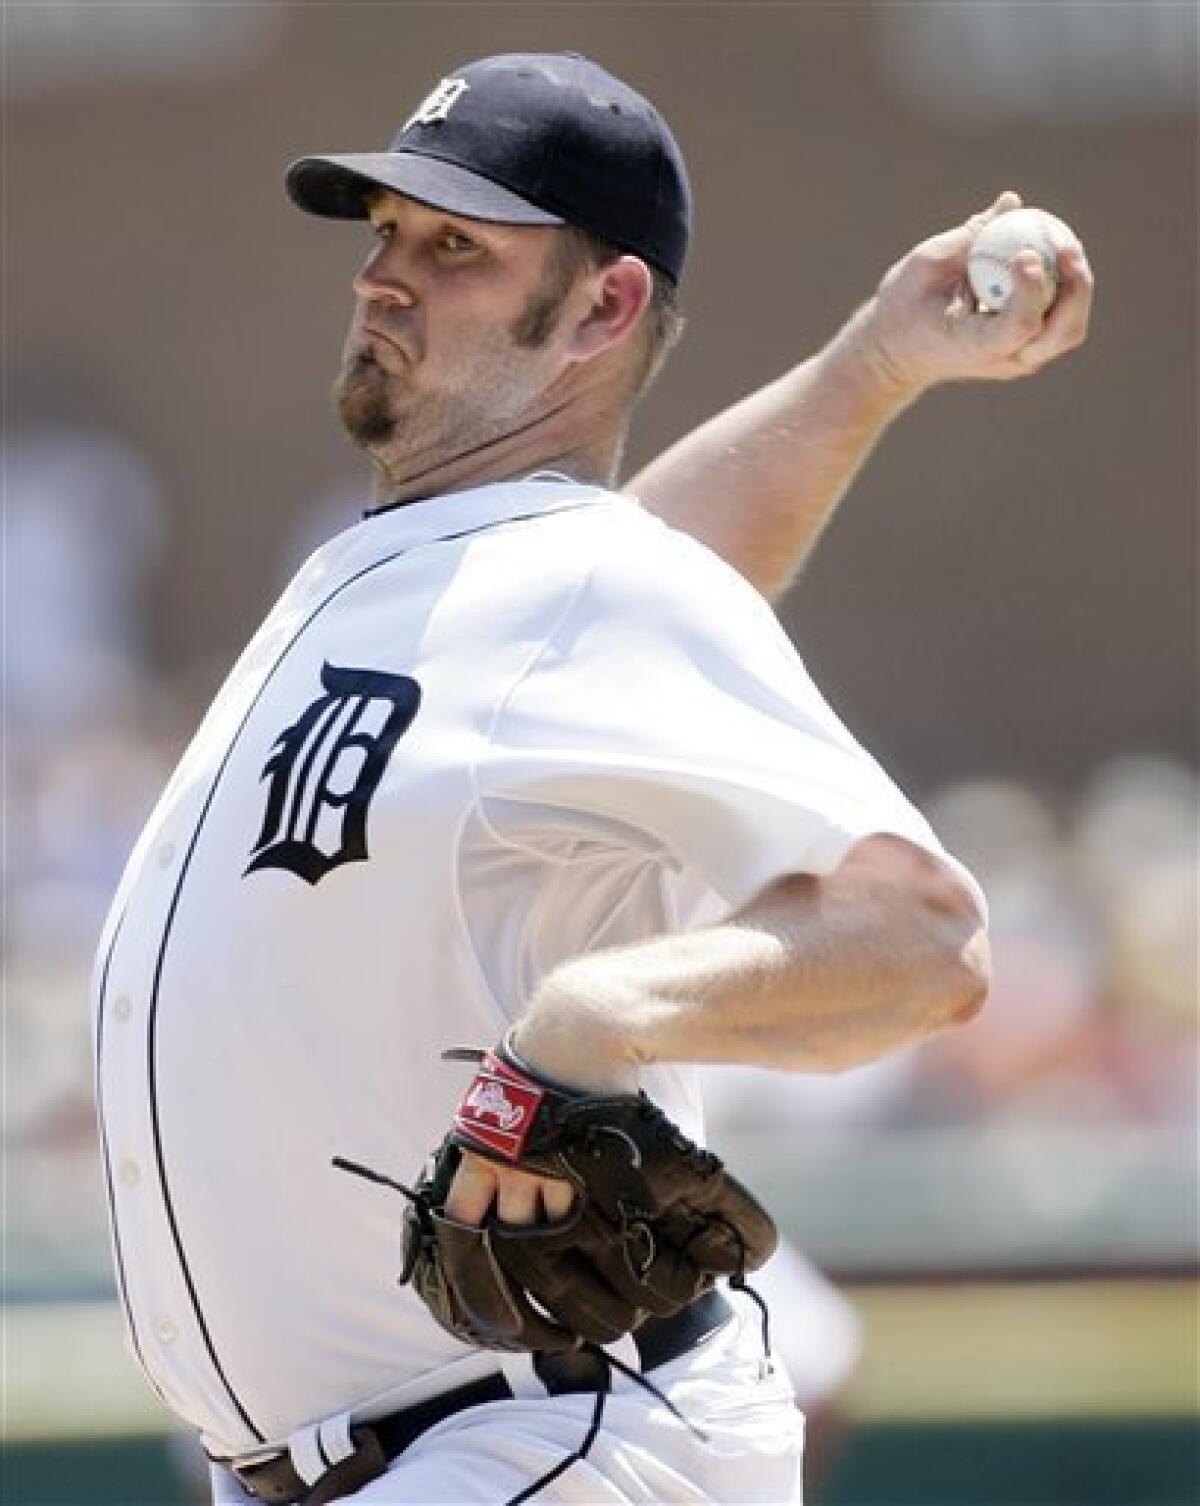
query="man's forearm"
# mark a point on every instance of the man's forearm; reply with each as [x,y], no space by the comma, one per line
[813,975]
[758,482]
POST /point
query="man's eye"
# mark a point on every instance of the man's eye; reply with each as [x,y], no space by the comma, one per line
[384,230]
[453,240]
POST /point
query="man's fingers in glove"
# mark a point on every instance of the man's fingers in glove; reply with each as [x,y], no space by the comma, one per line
[550,1267]
[558,1198]
[516,1197]
[597,1284]
[645,1272]
[671,1280]
[722,1226]
[487,1306]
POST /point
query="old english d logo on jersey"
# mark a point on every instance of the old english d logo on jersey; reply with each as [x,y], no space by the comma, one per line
[325,768]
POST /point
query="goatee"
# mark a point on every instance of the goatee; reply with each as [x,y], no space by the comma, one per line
[361,397]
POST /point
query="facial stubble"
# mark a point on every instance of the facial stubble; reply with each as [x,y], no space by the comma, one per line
[360,395]
[361,391]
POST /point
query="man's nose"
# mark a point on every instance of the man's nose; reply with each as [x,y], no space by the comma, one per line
[383,279]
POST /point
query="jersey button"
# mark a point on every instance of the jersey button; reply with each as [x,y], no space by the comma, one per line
[130,1172]
[123,1007]
[166,853]
[166,1330]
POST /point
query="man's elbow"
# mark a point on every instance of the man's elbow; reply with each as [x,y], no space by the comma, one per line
[968,978]
[936,935]
[960,960]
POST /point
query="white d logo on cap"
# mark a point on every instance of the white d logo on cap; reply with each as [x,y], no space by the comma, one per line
[438,103]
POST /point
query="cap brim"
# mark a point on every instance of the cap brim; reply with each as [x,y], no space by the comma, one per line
[338,188]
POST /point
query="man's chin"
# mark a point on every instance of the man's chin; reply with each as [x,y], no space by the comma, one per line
[361,399]
[367,426]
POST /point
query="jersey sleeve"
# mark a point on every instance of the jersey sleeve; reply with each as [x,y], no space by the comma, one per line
[668,710]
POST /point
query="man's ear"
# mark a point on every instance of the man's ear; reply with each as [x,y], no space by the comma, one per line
[617,295]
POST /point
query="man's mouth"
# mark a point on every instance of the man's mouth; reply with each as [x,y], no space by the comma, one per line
[372,333]
[375,332]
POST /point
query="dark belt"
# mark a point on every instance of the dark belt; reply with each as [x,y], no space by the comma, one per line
[658,1341]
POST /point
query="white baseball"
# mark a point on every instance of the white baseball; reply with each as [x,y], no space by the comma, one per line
[990,259]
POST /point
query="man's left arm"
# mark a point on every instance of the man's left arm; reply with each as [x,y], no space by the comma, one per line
[814,974]
[758,482]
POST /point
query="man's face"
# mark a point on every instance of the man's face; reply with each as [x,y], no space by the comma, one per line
[452,343]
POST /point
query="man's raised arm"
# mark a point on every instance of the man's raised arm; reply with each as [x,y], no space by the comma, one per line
[758,482]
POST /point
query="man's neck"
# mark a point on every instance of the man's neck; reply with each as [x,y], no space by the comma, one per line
[490,463]
[581,441]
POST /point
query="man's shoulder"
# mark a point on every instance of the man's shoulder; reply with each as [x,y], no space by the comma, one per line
[575,551]
[639,557]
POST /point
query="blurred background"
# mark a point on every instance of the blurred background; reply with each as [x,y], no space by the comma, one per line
[1006,1220]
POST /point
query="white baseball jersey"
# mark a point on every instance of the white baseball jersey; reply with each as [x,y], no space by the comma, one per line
[476,736]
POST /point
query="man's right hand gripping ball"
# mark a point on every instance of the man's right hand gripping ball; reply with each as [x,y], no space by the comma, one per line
[655,1220]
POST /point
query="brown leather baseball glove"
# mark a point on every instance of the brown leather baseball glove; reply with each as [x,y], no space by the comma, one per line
[655,1221]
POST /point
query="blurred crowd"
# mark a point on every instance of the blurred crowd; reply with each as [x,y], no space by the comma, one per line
[1093,893]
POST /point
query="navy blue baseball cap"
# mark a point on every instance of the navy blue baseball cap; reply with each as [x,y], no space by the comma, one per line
[525,139]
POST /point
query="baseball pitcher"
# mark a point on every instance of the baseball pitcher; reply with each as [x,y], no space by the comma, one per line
[517,806]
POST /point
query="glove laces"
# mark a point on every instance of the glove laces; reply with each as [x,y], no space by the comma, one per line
[419,1200]
[377,1176]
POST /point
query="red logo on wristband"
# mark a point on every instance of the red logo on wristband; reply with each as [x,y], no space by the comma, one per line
[499,1108]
